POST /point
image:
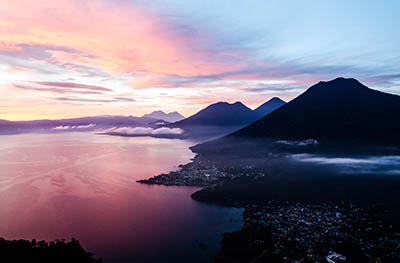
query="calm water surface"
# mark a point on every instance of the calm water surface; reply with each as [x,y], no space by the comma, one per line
[84,186]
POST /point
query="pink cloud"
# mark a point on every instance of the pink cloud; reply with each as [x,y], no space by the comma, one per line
[71,85]
[56,90]
[135,50]
[121,38]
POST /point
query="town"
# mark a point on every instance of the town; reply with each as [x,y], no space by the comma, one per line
[290,230]
[202,172]
[325,232]
[196,173]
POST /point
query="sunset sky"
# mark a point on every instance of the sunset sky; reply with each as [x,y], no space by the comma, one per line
[70,58]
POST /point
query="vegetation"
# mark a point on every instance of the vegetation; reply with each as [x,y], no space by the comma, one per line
[44,252]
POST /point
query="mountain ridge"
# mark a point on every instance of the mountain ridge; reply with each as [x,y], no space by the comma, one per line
[220,114]
[337,109]
[168,117]
[269,106]
[218,119]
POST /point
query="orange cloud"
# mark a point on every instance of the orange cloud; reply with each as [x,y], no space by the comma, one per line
[119,48]
[121,38]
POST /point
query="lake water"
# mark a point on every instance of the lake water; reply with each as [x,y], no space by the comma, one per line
[84,186]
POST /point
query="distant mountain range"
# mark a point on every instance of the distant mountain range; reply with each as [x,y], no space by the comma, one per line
[169,117]
[227,114]
[337,110]
[341,110]
[215,120]
[89,123]
[222,118]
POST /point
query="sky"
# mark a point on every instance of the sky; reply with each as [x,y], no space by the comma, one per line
[70,58]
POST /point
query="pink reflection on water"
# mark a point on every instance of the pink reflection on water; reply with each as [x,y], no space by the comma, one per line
[84,186]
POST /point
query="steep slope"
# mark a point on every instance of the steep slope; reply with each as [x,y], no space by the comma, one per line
[269,106]
[220,114]
[341,109]
[216,120]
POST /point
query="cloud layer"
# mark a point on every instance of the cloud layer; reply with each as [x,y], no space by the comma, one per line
[79,127]
[145,131]
[376,165]
[184,55]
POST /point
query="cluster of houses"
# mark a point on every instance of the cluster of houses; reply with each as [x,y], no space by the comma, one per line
[325,232]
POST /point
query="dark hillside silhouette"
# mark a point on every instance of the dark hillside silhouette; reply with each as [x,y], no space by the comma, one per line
[341,109]
[220,114]
[269,106]
[44,252]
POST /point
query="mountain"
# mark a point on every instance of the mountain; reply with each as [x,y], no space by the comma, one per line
[216,120]
[222,118]
[169,117]
[337,110]
[2,122]
[220,114]
[269,106]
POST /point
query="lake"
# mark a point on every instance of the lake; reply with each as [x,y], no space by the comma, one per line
[82,185]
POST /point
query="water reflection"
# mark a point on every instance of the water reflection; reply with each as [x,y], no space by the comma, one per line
[84,186]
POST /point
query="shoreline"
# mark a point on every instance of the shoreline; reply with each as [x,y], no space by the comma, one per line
[247,186]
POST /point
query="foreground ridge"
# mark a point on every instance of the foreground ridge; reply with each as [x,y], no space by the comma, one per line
[42,252]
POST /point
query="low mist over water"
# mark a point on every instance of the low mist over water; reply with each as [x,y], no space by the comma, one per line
[84,186]
[383,165]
